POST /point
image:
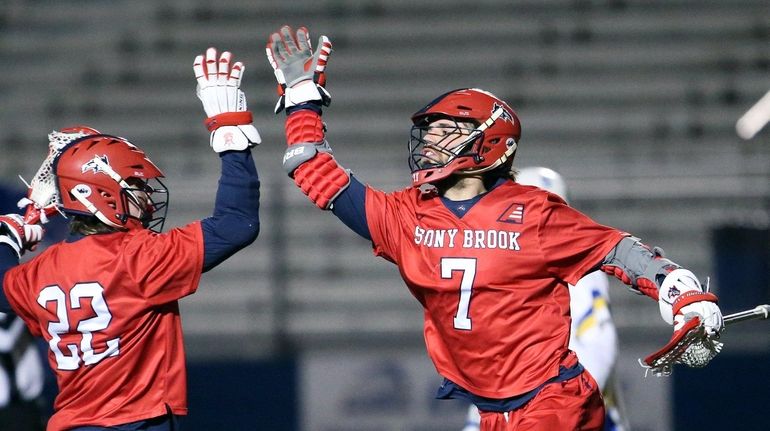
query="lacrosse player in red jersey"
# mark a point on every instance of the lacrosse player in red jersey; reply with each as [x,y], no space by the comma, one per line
[592,334]
[106,299]
[487,258]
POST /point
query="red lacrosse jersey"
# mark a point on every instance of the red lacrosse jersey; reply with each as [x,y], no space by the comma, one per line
[493,283]
[107,306]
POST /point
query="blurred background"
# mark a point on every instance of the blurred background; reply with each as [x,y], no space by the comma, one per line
[634,102]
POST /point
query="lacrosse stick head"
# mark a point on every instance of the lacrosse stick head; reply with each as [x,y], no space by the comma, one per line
[110,178]
[691,345]
[43,198]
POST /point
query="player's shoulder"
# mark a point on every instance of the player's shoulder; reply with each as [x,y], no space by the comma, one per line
[530,193]
[405,195]
[148,239]
[31,263]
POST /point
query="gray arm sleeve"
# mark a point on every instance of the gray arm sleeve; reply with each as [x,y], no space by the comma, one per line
[635,264]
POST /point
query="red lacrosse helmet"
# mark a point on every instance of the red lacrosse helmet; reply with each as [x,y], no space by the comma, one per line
[492,138]
[105,176]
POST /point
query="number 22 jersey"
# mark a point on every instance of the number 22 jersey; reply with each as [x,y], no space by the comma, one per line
[493,283]
[107,306]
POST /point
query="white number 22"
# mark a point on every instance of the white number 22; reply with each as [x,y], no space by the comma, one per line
[86,327]
[468,268]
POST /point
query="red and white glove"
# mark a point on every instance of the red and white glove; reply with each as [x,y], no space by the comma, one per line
[218,88]
[299,70]
[18,234]
[681,298]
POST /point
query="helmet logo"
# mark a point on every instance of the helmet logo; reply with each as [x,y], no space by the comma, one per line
[505,115]
[510,142]
[93,165]
[83,190]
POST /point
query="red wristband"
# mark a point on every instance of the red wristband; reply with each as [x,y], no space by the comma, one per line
[228,119]
[690,297]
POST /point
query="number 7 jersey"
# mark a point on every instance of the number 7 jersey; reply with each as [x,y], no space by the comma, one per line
[493,283]
[107,306]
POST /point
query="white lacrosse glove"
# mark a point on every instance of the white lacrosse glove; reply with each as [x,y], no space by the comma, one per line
[18,234]
[299,70]
[681,298]
[219,90]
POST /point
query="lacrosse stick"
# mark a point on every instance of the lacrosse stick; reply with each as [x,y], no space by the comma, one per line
[754,119]
[692,346]
[43,198]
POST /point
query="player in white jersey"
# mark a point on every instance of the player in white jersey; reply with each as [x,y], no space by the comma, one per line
[593,336]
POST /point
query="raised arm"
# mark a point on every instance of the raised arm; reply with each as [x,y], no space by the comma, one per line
[235,221]
[301,77]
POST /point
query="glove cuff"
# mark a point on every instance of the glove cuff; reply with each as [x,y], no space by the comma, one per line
[228,119]
[677,283]
[302,92]
[690,297]
[234,138]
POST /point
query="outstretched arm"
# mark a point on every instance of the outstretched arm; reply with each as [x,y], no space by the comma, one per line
[678,292]
[235,222]
[308,159]
[350,208]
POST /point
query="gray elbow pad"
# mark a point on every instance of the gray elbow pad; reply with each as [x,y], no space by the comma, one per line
[637,265]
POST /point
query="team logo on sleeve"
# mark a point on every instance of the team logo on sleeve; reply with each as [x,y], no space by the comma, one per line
[513,214]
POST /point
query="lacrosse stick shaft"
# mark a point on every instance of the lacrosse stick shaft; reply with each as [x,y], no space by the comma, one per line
[758,312]
[755,118]
[35,215]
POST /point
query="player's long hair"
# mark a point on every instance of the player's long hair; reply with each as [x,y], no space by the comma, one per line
[89,225]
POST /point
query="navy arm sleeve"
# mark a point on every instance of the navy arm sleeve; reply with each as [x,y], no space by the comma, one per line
[235,222]
[350,207]
[8,260]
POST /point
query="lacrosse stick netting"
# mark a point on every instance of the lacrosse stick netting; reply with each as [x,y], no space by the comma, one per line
[43,197]
[693,346]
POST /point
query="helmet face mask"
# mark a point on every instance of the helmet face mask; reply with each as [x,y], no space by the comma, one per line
[436,142]
[110,178]
[489,127]
[146,201]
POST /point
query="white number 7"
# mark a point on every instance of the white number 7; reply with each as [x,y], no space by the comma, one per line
[468,267]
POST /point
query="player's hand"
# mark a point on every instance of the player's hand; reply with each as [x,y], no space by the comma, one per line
[19,235]
[681,298]
[219,82]
[299,70]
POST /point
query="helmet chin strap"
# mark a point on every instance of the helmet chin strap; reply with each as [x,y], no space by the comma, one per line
[504,158]
[496,114]
[107,169]
[81,197]
[492,118]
